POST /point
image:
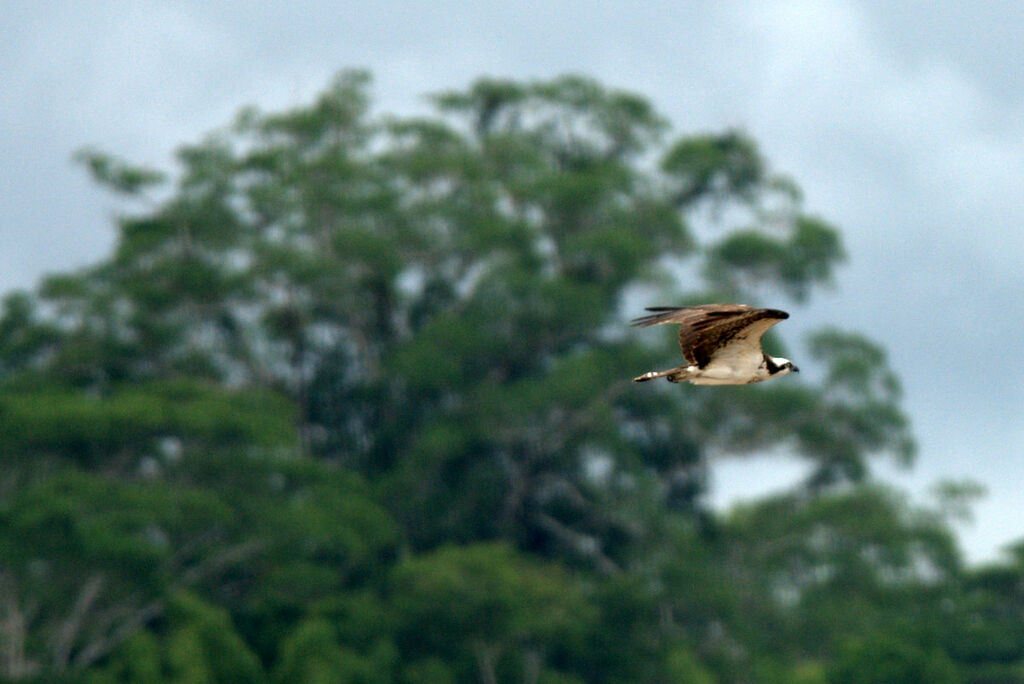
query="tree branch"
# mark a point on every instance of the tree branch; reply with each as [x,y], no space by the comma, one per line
[103,645]
[13,633]
[71,626]
[583,544]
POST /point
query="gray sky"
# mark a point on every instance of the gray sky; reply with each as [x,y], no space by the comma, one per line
[903,123]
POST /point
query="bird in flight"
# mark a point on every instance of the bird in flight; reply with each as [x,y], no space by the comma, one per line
[721,344]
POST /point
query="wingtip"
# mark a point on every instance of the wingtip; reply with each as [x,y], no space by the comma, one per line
[667,314]
[658,315]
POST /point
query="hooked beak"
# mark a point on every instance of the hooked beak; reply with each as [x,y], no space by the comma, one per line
[795,369]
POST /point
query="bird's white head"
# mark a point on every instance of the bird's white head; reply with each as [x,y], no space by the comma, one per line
[778,365]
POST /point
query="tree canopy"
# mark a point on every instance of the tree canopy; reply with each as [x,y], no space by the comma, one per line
[350,401]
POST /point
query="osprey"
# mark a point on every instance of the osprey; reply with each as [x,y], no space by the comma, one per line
[721,344]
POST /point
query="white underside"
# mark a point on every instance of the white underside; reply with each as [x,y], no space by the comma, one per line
[722,374]
[712,374]
[735,364]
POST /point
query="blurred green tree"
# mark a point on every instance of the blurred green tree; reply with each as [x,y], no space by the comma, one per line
[200,645]
[91,559]
[985,631]
[386,361]
[441,298]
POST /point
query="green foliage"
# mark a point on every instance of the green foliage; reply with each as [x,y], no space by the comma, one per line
[86,560]
[198,643]
[717,167]
[483,592]
[138,661]
[312,654]
[202,645]
[115,174]
[795,262]
[97,552]
[131,422]
[685,667]
[836,565]
[890,660]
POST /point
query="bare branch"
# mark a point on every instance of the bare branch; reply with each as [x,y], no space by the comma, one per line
[103,645]
[585,545]
[227,557]
[70,628]
[485,657]
[13,633]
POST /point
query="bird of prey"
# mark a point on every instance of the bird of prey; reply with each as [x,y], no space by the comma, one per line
[721,344]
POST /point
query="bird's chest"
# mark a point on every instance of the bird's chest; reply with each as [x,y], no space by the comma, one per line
[738,360]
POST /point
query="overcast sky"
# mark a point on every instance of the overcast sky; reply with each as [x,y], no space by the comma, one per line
[903,123]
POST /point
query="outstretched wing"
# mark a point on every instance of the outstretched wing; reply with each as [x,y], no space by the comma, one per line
[708,328]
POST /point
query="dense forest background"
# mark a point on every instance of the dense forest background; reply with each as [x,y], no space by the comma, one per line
[351,402]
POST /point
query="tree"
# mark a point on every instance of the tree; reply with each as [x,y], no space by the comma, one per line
[984,632]
[113,506]
[836,569]
[390,357]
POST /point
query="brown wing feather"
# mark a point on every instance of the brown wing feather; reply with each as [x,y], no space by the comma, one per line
[705,328]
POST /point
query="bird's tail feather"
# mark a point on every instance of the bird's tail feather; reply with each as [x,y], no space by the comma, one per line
[651,375]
